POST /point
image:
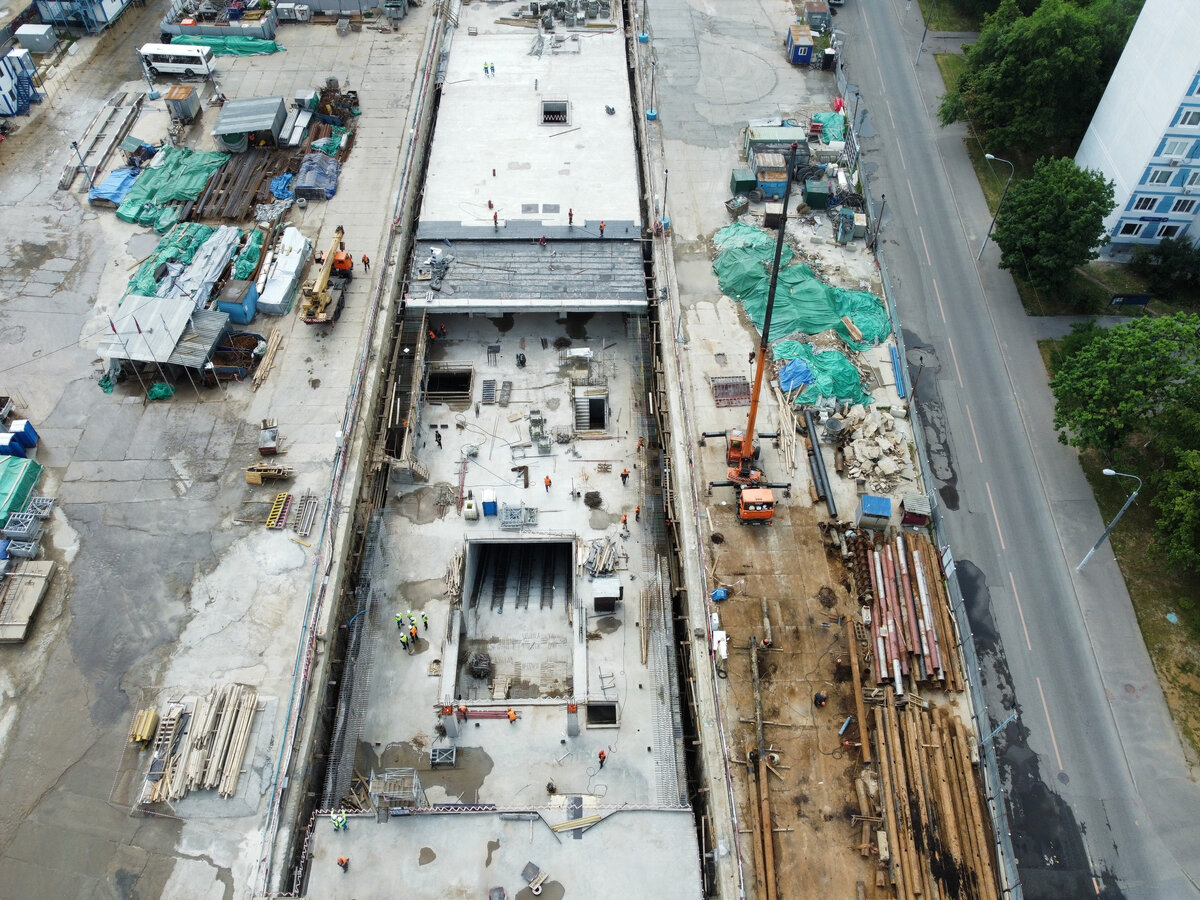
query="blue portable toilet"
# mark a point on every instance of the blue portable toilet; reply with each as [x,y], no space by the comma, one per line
[489,503]
[10,446]
[23,431]
[799,44]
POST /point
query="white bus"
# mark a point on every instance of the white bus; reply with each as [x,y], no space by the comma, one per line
[177,59]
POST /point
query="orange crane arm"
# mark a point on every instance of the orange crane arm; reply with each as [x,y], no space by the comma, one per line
[747,445]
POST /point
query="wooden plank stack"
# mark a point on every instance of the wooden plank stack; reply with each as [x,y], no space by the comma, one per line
[912,630]
[938,838]
[210,751]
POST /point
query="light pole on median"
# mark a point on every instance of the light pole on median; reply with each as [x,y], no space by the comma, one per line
[1116,519]
[1012,170]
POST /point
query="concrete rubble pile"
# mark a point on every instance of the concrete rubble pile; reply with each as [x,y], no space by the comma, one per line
[875,448]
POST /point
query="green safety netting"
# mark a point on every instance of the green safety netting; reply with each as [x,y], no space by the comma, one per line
[181,176]
[243,266]
[834,126]
[803,302]
[836,377]
[181,244]
[229,46]
[18,477]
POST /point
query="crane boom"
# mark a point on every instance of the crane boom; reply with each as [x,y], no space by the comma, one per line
[745,447]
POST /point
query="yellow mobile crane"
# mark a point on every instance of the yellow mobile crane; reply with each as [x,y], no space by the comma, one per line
[325,295]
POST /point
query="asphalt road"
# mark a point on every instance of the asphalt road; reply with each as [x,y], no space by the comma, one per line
[1100,796]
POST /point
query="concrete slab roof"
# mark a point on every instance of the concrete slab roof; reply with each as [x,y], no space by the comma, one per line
[628,853]
[558,276]
[534,138]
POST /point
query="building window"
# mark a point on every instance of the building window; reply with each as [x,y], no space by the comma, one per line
[1175,148]
[1191,117]
[1183,206]
[1159,176]
[1131,229]
[1193,178]
[1145,203]
[1168,231]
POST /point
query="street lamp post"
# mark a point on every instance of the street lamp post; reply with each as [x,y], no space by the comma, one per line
[928,18]
[83,165]
[1116,519]
[1012,170]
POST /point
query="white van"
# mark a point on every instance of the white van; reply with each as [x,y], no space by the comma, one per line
[177,59]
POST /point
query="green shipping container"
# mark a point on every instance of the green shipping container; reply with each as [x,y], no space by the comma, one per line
[816,193]
[742,182]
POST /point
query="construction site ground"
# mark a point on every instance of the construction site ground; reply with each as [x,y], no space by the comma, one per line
[814,798]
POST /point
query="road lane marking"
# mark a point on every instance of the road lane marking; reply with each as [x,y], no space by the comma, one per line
[954,356]
[996,518]
[937,291]
[1050,725]
[900,153]
[913,197]
[1020,612]
[971,422]
[928,259]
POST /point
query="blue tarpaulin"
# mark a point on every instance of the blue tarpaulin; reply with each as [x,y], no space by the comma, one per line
[318,177]
[114,187]
[794,374]
[281,186]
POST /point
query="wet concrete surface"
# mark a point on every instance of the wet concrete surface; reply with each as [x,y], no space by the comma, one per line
[1047,840]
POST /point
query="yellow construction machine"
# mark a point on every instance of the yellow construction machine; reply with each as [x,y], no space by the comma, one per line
[324,296]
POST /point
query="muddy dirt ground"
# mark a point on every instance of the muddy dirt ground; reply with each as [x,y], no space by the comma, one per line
[807,592]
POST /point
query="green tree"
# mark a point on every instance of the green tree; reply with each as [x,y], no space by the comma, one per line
[1052,221]
[1032,82]
[1177,503]
[1172,263]
[1135,382]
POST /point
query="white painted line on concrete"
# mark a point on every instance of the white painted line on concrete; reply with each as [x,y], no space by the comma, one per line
[974,436]
[1020,611]
[1050,725]
[938,293]
[954,356]
[995,518]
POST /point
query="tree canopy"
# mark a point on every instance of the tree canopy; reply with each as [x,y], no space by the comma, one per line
[1052,221]
[1033,81]
[1177,503]
[1132,386]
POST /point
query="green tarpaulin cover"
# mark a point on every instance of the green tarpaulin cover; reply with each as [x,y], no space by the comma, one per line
[243,266]
[233,45]
[834,126]
[181,176]
[180,244]
[803,302]
[836,377]
[18,477]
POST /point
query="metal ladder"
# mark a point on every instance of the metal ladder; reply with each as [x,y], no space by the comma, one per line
[277,517]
